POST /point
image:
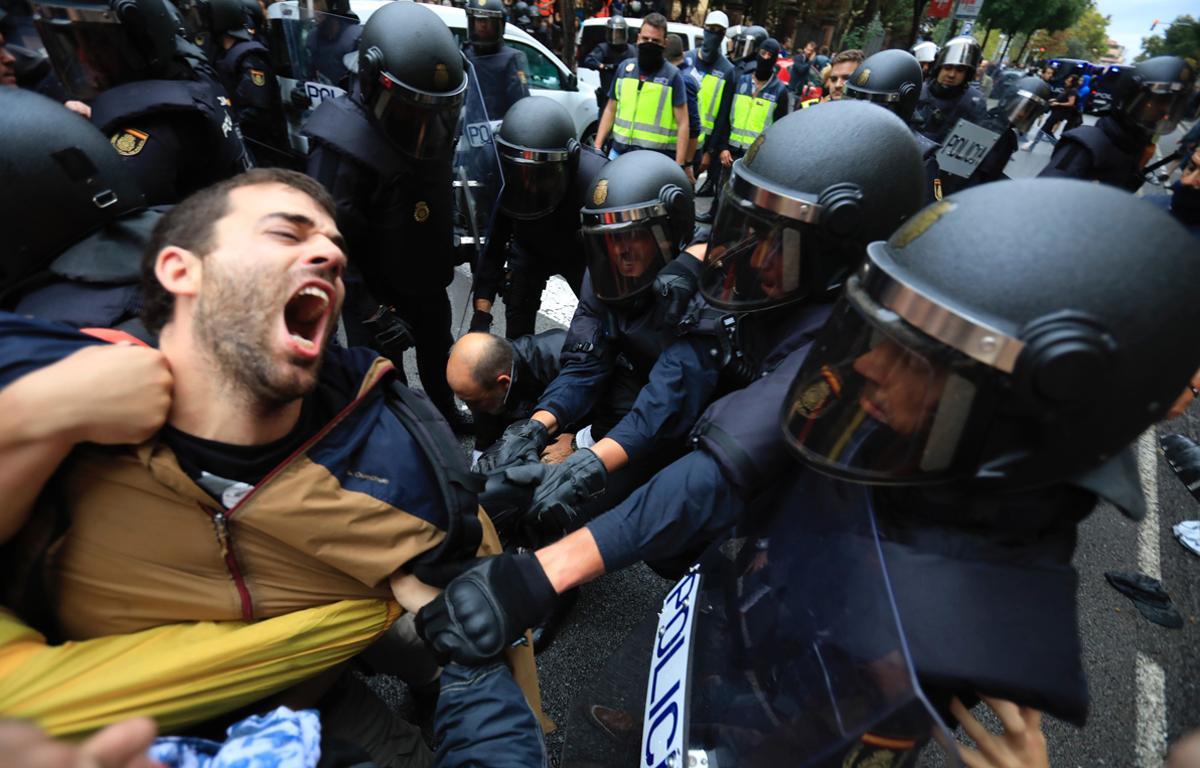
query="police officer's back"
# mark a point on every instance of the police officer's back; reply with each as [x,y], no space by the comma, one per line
[948,95]
[150,90]
[547,175]
[384,151]
[607,55]
[1148,100]
[248,76]
[502,71]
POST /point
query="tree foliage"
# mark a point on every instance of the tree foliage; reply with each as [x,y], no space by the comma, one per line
[1013,16]
[1181,38]
[1086,39]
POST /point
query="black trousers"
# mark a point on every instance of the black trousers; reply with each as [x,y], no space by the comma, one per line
[528,276]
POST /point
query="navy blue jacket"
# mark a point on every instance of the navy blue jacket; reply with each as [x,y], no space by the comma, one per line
[503,78]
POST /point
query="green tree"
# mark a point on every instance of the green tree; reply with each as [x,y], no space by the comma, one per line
[1013,17]
[1086,39]
[1181,38]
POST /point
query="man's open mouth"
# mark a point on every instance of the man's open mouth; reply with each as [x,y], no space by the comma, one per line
[306,317]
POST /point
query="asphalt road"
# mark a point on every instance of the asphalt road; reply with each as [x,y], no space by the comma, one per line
[1144,679]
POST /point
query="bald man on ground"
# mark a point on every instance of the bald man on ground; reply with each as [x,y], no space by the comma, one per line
[501,380]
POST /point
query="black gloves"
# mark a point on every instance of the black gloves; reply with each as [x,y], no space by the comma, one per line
[674,286]
[508,493]
[481,322]
[522,443]
[564,487]
[485,610]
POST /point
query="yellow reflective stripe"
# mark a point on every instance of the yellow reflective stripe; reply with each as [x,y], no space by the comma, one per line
[643,119]
[711,88]
[751,116]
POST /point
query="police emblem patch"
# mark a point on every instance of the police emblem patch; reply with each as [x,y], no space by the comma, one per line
[258,77]
[863,77]
[868,757]
[441,77]
[629,67]
[129,142]
[817,395]
[521,76]
[601,193]
[421,212]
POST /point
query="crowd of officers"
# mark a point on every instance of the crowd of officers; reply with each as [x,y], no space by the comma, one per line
[840,320]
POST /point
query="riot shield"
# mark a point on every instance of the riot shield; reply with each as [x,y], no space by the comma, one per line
[781,647]
[965,147]
[314,52]
[477,178]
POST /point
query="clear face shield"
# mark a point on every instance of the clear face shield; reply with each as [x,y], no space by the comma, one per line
[1023,108]
[420,124]
[617,34]
[1159,107]
[90,50]
[485,27]
[743,47]
[878,401]
[535,181]
[626,249]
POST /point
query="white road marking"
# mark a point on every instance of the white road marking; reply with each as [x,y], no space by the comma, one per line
[558,300]
[1150,679]
[1151,713]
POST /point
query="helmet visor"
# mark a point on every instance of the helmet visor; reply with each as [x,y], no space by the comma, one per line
[534,181]
[885,99]
[485,27]
[1159,107]
[420,124]
[1023,108]
[617,34]
[623,259]
[743,46]
[754,259]
[877,401]
[89,49]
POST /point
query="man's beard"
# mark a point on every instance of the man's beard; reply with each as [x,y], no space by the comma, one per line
[236,324]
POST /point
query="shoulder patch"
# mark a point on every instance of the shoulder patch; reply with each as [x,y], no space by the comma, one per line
[421,212]
[129,142]
[629,67]
[521,76]
[258,77]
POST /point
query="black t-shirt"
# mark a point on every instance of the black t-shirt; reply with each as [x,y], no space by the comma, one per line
[218,467]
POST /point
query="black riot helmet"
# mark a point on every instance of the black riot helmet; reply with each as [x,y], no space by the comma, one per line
[1028,99]
[800,208]
[891,79]
[62,182]
[640,211]
[961,51]
[1018,361]
[412,78]
[616,31]
[746,43]
[519,9]
[485,25]
[1153,94]
[229,18]
[254,16]
[538,156]
[99,44]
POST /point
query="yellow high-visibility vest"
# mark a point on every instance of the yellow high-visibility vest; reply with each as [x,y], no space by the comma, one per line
[712,86]
[752,112]
[645,116]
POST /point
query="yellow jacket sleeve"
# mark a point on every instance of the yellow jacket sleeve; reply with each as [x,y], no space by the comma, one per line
[178,674]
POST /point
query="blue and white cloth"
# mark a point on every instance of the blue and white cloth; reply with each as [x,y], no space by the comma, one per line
[278,739]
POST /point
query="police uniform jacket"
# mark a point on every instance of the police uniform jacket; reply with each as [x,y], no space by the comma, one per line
[249,79]
[773,91]
[175,136]
[939,108]
[395,212]
[697,70]
[604,58]
[503,78]
[1108,152]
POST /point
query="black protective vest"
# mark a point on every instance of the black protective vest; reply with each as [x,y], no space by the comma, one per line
[936,115]
[498,77]
[1115,154]
[192,100]
[229,64]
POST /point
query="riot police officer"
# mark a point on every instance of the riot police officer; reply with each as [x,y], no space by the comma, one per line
[606,56]
[384,151]
[248,76]
[150,91]
[709,68]
[82,266]
[502,71]
[760,98]
[892,79]
[796,222]
[949,96]
[1028,99]
[744,56]
[547,175]
[1147,100]
[619,363]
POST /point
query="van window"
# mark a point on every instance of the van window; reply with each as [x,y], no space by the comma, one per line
[542,72]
